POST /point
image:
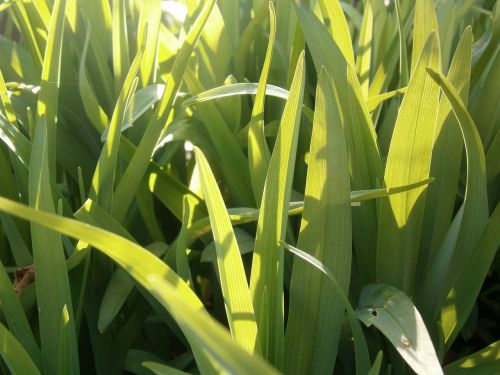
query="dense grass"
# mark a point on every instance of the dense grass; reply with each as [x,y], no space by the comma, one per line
[249,187]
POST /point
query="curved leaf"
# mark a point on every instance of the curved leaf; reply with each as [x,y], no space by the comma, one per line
[393,313]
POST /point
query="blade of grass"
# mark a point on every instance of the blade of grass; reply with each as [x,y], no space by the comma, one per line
[486,361]
[451,260]
[403,54]
[337,25]
[121,59]
[315,317]
[360,345]
[16,318]
[52,286]
[136,169]
[247,88]
[240,216]
[181,256]
[267,265]
[103,181]
[147,34]
[409,159]
[425,23]
[463,296]
[258,151]
[18,12]
[234,285]
[446,157]
[7,105]
[364,158]
[363,59]
[235,166]
[161,282]
[14,355]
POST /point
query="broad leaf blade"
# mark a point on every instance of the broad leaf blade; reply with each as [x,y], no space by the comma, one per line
[315,317]
[393,313]
[409,159]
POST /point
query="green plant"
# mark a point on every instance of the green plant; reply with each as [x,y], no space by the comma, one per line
[328,190]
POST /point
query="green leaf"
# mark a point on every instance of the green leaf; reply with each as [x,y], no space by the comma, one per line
[258,151]
[52,286]
[364,160]
[393,313]
[338,27]
[472,217]
[25,25]
[484,362]
[181,256]
[161,281]
[234,285]
[315,318]
[15,141]
[235,166]
[361,349]
[91,105]
[6,102]
[409,159]
[267,266]
[103,181]
[446,157]
[147,34]
[137,167]
[246,88]
[121,58]
[363,60]
[161,369]
[16,318]
[14,355]
[240,216]
[425,24]
[375,370]
[462,297]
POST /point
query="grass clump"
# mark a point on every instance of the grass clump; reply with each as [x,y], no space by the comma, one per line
[249,187]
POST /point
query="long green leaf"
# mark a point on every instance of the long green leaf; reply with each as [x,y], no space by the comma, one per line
[148,33]
[52,286]
[258,151]
[409,160]
[446,156]
[121,59]
[363,59]
[462,297]
[136,169]
[14,355]
[235,166]
[315,318]
[267,266]
[338,27]
[472,216]
[360,345]
[425,23]
[484,362]
[16,318]
[103,182]
[234,285]
[161,281]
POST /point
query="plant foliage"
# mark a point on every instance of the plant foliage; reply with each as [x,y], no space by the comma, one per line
[249,186]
